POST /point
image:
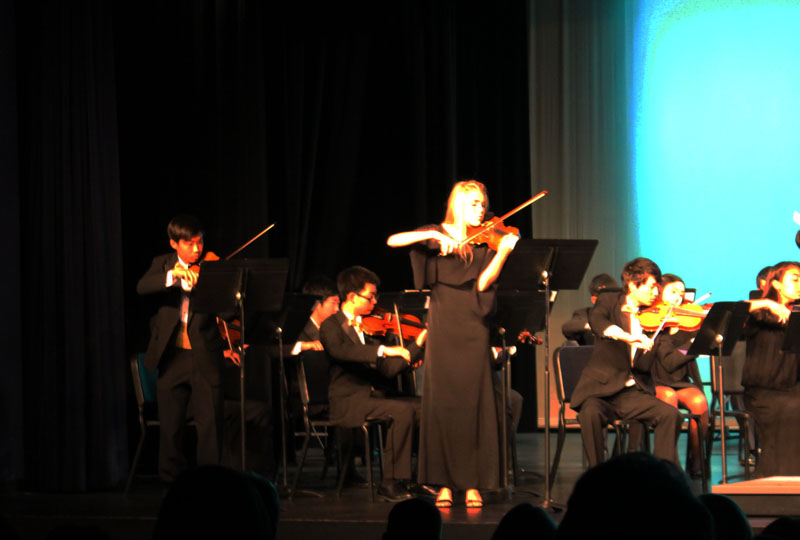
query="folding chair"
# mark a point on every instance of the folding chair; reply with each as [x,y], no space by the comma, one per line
[568,366]
[312,378]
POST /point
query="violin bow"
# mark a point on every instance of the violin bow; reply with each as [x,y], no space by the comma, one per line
[256,237]
[504,216]
[399,327]
[224,323]
[664,321]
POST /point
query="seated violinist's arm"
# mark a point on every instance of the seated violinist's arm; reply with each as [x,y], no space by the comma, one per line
[301,346]
[777,309]
[641,342]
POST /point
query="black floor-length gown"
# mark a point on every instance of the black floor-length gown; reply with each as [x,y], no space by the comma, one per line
[459,441]
[772,395]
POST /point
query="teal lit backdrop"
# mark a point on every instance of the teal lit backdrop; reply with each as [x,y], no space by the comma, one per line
[715,138]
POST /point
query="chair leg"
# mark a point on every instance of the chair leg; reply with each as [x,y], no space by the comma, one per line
[368,454]
[746,428]
[514,467]
[300,465]
[136,457]
[562,435]
[344,465]
[618,441]
[380,448]
[710,440]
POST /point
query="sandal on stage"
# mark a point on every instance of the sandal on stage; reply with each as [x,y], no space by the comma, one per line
[473,499]
[445,498]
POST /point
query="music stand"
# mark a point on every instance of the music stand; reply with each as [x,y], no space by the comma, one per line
[555,265]
[517,311]
[716,338]
[223,287]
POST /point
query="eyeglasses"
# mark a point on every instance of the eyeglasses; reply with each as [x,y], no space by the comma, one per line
[373,298]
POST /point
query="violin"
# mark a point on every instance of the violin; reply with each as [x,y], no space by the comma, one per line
[688,317]
[490,233]
[207,256]
[382,322]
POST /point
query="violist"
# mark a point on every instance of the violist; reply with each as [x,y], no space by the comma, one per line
[676,375]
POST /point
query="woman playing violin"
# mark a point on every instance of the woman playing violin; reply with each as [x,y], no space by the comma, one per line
[676,375]
[770,376]
[459,447]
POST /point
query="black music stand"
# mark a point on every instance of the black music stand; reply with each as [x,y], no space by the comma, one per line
[716,338]
[517,311]
[225,287]
[553,265]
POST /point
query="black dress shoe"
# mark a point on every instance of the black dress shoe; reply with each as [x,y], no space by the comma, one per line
[420,490]
[393,492]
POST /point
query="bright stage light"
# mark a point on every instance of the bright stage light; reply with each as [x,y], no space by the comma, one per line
[715,135]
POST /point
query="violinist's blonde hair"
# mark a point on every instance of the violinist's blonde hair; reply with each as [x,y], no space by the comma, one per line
[457,196]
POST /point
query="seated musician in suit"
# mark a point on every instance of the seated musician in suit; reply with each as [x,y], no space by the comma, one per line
[327,305]
[616,383]
[577,328]
[362,378]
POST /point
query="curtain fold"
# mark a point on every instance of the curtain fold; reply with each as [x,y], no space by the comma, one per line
[73,381]
[580,147]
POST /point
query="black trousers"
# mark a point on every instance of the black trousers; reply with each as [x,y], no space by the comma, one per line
[183,390]
[401,414]
[629,404]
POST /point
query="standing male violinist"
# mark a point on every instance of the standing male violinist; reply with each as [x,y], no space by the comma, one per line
[362,373]
[187,349]
[616,383]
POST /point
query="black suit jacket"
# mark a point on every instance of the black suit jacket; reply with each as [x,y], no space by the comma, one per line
[610,366]
[310,332]
[355,369]
[575,328]
[207,345]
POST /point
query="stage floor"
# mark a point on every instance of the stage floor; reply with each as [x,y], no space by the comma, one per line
[328,518]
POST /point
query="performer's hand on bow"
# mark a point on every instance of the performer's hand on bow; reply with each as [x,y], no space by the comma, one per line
[447,244]
[186,274]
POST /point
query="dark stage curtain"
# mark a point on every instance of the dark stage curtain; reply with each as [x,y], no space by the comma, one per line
[340,122]
[72,383]
[11,445]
